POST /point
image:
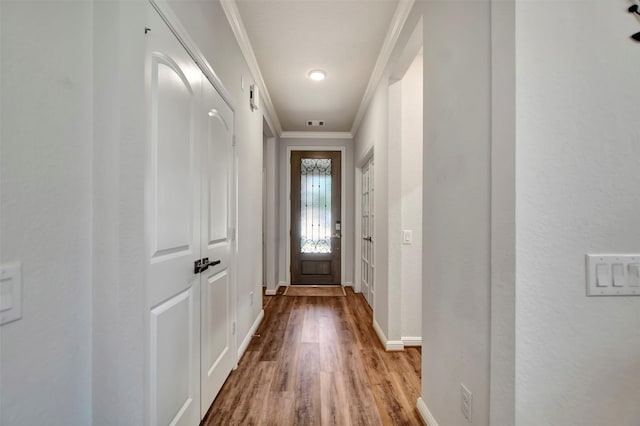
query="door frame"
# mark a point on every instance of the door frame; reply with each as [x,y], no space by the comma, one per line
[343,189]
[357,260]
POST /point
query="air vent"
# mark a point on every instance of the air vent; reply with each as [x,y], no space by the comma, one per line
[316,123]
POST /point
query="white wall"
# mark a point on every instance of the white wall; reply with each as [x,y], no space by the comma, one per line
[347,221]
[577,174]
[45,210]
[392,126]
[118,345]
[457,171]
[502,392]
[272,213]
[390,286]
[411,194]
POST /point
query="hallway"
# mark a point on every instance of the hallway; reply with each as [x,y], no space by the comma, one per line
[317,360]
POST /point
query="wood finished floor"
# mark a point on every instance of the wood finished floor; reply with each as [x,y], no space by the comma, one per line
[318,361]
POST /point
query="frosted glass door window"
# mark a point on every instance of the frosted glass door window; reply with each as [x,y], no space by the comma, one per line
[315,205]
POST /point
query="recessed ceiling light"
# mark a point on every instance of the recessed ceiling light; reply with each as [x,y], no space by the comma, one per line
[317,75]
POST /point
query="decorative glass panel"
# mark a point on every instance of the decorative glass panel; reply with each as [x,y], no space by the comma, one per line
[315,202]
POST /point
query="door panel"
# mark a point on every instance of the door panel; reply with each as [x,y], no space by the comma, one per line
[315,217]
[367,227]
[172,361]
[173,102]
[172,217]
[218,345]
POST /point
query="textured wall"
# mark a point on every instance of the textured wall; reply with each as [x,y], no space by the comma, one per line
[45,210]
[457,171]
[411,172]
[577,358]
[392,126]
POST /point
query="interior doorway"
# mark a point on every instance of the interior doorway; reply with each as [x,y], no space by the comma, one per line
[316,215]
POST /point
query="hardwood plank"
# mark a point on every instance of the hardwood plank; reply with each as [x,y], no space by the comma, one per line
[307,385]
[333,410]
[318,361]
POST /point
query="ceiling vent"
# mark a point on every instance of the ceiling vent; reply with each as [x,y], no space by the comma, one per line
[316,123]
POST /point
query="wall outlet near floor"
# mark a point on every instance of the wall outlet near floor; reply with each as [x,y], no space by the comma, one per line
[466,402]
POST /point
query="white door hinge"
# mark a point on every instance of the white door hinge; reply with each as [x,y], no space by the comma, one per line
[233,140]
[233,328]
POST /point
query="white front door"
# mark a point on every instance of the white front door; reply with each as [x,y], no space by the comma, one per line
[218,235]
[172,220]
[367,227]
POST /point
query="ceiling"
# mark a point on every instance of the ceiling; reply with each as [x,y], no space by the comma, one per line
[289,38]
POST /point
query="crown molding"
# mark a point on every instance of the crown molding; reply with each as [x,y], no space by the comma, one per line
[233,16]
[316,135]
[395,28]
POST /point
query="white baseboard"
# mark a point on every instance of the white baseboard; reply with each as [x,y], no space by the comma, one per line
[283,284]
[245,343]
[389,345]
[347,284]
[425,413]
[271,291]
[412,341]
[394,345]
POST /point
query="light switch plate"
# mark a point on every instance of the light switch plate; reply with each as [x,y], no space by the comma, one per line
[407,237]
[613,274]
[10,293]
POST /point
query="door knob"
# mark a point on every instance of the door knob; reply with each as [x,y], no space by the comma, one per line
[203,264]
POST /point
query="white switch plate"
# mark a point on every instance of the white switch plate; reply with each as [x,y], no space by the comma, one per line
[407,237]
[613,274]
[466,402]
[10,293]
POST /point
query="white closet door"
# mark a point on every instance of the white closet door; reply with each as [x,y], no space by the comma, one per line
[172,220]
[217,245]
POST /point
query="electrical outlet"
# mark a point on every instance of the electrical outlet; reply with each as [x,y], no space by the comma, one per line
[251,298]
[466,402]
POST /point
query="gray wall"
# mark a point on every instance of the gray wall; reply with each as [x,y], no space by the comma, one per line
[577,174]
[457,216]
[45,210]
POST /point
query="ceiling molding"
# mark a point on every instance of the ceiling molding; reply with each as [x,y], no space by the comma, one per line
[316,135]
[233,16]
[395,28]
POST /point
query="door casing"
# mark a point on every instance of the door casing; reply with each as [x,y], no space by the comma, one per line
[357,269]
[345,229]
